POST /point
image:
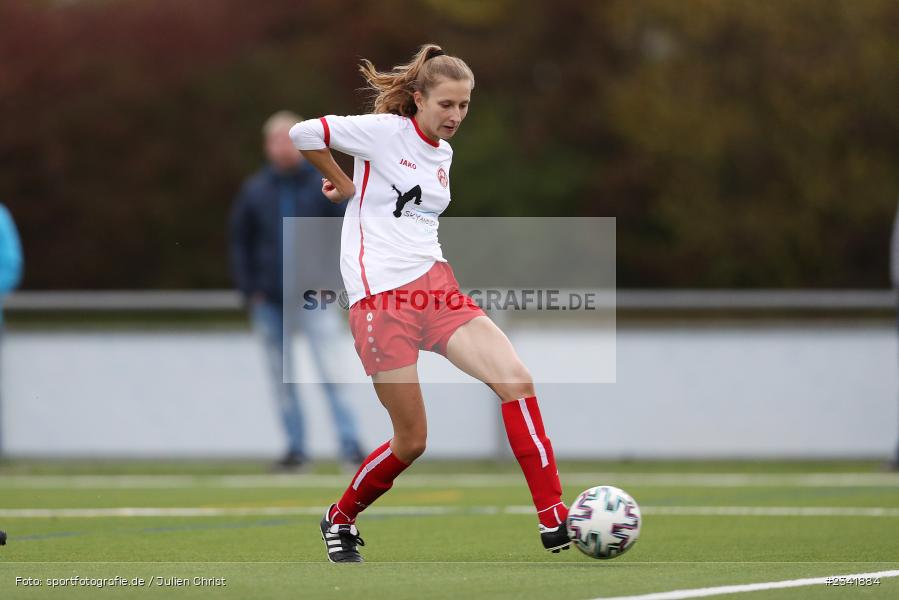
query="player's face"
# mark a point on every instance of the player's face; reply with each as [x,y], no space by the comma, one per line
[442,110]
[280,151]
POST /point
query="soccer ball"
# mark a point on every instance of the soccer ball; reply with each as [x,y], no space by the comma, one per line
[604,522]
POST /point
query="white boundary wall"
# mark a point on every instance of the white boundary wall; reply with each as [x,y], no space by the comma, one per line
[756,389]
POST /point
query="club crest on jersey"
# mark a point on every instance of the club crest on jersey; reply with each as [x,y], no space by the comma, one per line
[408,163]
[441,177]
[403,198]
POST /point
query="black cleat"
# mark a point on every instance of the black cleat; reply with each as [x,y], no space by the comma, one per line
[341,540]
[555,539]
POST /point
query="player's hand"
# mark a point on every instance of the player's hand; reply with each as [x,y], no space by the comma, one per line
[334,194]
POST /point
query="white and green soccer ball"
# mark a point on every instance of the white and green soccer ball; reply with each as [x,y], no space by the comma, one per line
[604,522]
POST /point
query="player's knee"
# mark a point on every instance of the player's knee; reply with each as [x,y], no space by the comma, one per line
[410,447]
[516,383]
[415,450]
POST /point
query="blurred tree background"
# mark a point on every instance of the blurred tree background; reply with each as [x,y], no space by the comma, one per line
[740,143]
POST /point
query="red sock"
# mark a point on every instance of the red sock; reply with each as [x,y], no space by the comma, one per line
[532,448]
[373,478]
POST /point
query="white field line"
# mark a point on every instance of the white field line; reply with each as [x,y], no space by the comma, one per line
[737,511]
[474,480]
[751,587]
[772,511]
[444,562]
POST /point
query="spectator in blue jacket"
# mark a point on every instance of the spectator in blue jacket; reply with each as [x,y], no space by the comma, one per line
[286,187]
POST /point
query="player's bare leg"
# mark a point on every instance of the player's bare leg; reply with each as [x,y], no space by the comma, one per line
[482,350]
[400,393]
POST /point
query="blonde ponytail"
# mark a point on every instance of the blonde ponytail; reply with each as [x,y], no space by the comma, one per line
[393,90]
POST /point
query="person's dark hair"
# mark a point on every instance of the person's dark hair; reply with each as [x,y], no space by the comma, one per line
[393,89]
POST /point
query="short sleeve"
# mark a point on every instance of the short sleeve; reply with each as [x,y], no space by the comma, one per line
[354,135]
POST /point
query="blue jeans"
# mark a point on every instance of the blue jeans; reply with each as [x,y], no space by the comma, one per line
[268,320]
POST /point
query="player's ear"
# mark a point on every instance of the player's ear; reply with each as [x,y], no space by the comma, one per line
[419,99]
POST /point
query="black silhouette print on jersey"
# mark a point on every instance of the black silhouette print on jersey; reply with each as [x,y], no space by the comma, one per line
[403,199]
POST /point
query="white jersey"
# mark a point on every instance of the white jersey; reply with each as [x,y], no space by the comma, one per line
[389,235]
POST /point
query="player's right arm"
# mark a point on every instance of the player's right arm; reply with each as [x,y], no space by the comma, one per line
[357,136]
[336,186]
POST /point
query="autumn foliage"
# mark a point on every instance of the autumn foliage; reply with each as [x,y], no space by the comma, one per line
[739,143]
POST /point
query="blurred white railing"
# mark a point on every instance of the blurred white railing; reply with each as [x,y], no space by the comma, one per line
[681,300]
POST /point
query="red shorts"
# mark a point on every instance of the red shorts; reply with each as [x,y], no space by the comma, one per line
[391,327]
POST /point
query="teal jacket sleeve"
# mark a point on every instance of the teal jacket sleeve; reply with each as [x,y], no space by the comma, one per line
[10,253]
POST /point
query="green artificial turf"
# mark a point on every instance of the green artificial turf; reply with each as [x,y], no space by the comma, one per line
[477,544]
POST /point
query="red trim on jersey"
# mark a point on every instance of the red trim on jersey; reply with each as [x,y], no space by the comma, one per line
[361,235]
[327,131]
[422,135]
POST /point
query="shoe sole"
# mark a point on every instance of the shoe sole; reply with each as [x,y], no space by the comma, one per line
[556,549]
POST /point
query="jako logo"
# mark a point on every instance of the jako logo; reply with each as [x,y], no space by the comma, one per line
[407,163]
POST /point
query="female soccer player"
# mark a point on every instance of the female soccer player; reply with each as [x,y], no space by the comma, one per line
[403,294]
